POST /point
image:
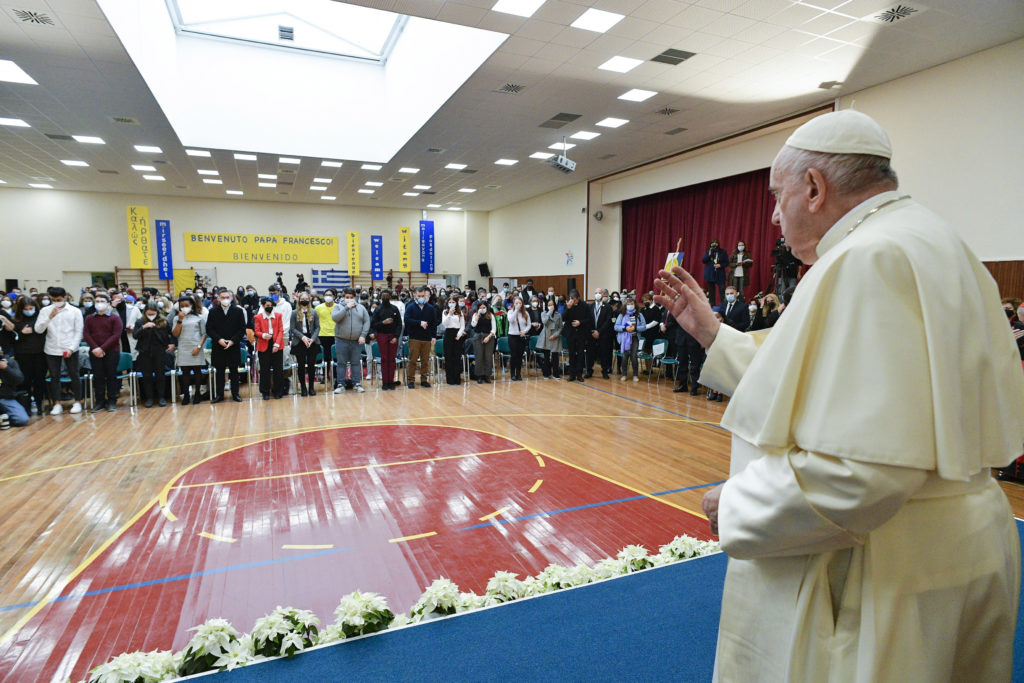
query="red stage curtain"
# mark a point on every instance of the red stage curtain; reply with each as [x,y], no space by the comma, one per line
[729,209]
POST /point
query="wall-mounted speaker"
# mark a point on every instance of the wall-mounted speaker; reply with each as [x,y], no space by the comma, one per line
[484,270]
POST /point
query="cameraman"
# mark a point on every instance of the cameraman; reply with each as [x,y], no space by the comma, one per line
[787,266]
[300,284]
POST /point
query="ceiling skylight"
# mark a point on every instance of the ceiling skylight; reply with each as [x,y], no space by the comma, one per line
[311,25]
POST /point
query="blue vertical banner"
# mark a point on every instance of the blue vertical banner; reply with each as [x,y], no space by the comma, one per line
[426,246]
[163,250]
[376,257]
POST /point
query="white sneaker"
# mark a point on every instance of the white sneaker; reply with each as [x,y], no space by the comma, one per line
[340,390]
[76,408]
[622,379]
[359,388]
[57,409]
[636,379]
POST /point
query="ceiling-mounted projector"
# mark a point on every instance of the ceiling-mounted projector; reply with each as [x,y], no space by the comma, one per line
[563,163]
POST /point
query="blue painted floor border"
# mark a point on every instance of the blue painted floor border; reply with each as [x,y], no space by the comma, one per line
[660,624]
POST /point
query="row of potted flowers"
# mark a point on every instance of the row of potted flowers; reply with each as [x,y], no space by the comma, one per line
[286,631]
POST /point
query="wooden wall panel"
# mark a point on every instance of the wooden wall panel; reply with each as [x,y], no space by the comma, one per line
[1009,275]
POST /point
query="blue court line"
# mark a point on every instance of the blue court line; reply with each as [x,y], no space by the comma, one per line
[182,577]
[584,507]
[332,551]
[649,405]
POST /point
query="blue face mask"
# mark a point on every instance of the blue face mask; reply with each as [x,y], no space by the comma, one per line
[731,298]
[421,300]
[631,308]
[29,312]
[274,298]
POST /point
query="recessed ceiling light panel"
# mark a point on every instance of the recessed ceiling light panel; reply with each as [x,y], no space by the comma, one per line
[197,153]
[371,167]
[12,73]
[213,181]
[73,162]
[637,95]
[328,198]
[148,149]
[612,122]
[541,155]
[88,139]
[317,188]
[267,176]
[455,167]
[467,190]
[507,162]
[207,171]
[562,146]
[373,183]
[331,164]
[234,192]
[290,160]
[410,194]
[365,191]
[408,169]
[520,8]
[154,177]
[597,20]
[621,64]
[143,167]
[421,187]
[18,123]
[267,184]
[326,181]
[245,157]
[585,135]
[41,186]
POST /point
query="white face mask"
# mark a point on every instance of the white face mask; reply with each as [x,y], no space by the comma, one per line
[151,316]
[226,303]
[329,298]
[61,304]
[186,309]
[597,298]
[46,302]
[1020,314]
[101,306]
[740,248]
[752,308]
[5,304]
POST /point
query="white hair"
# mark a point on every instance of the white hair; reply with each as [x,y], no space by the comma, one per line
[844,173]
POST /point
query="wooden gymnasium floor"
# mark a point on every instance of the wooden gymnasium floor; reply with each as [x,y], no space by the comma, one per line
[119,531]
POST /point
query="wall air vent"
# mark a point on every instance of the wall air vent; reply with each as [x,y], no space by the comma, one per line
[894,14]
[667,111]
[559,120]
[126,120]
[32,17]
[606,157]
[58,136]
[436,150]
[108,171]
[674,131]
[468,170]
[285,33]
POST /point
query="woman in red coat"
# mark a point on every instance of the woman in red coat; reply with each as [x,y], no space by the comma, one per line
[269,331]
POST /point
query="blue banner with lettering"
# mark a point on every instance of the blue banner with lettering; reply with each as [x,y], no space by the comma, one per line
[426,246]
[376,257]
[163,250]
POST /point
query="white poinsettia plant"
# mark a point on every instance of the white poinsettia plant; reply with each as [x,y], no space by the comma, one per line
[287,631]
[284,632]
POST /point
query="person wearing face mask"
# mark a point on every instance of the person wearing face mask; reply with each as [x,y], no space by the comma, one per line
[627,326]
[102,332]
[351,327]
[454,323]
[600,341]
[386,325]
[152,341]
[7,333]
[421,321]
[734,311]
[535,312]
[484,341]
[651,333]
[63,327]
[281,306]
[267,327]
[85,303]
[305,334]
[549,341]
[715,261]
[519,327]
[767,314]
[189,331]
[28,348]
[740,265]
[578,320]
[323,312]
[528,291]
[225,325]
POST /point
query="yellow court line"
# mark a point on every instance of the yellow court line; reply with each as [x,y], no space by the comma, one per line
[412,538]
[215,537]
[344,469]
[307,547]
[368,423]
[59,587]
[625,486]
[540,461]
[495,513]
[533,489]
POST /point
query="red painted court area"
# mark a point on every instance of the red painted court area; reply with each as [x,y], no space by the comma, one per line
[302,520]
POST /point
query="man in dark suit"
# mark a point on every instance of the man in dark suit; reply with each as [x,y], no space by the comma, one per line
[602,335]
[734,310]
[689,353]
[577,322]
[225,326]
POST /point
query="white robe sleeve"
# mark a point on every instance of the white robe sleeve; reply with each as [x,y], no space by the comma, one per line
[728,358]
[805,503]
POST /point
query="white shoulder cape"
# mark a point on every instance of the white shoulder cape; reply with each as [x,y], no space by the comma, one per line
[894,350]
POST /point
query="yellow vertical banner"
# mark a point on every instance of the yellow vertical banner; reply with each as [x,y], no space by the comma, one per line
[405,249]
[353,253]
[140,237]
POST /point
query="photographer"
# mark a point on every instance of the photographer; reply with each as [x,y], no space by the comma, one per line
[767,313]
[786,268]
[715,261]
[300,284]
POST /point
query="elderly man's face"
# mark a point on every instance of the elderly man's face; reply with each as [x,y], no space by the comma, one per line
[799,226]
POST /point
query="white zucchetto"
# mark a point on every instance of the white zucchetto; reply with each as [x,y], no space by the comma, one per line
[842,132]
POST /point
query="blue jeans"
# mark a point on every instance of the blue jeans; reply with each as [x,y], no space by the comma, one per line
[15,412]
[349,352]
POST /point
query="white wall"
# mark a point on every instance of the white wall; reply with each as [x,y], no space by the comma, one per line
[532,237]
[958,144]
[46,232]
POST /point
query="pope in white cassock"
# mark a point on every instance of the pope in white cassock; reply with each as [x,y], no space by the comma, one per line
[867,540]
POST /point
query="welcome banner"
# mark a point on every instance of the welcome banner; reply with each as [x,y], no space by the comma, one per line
[426,246]
[353,252]
[405,249]
[249,248]
[163,250]
[377,257]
